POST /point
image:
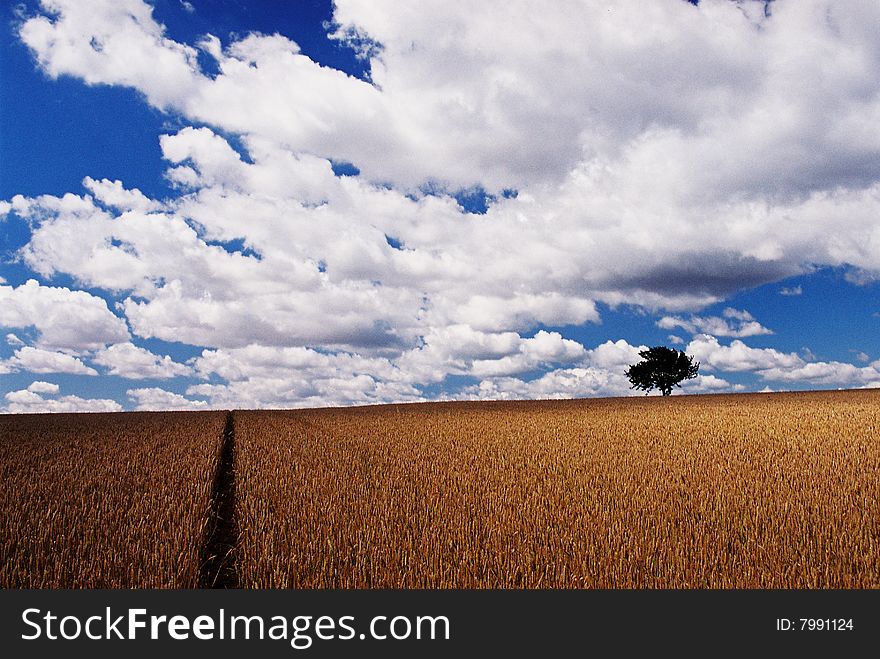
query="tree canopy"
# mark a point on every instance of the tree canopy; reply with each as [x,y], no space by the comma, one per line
[662,368]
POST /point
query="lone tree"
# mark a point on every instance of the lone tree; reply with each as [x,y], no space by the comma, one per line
[661,368]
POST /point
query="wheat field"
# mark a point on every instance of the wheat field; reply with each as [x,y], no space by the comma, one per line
[721,491]
[105,500]
[740,491]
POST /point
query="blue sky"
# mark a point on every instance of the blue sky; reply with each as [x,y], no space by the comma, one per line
[262,204]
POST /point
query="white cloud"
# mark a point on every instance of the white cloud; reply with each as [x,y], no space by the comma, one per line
[296,390]
[29,402]
[266,361]
[509,96]
[601,374]
[616,355]
[23,397]
[285,377]
[37,360]
[542,349]
[113,42]
[738,356]
[738,323]
[562,383]
[826,373]
[777,366]
[263,376]
[40,387]
[791,291]
[664,156]
[130,361]
[573,231]
[114,195]
[13,340]
[709,384]
[861,356]
[154,398]
[65,320]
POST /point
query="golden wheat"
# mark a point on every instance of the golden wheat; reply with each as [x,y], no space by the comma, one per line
[105,500]
[769,491]
[747,491]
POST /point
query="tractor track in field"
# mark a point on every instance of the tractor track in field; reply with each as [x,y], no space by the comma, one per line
[218,565]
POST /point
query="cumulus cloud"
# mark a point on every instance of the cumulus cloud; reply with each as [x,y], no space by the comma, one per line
[293,392]
[114,195]
[615,355]
[462,350]
[542,349]
[64,319]
[776,366]
[285,377]
[709,384]
[37,360]
[154,399]
[40,387]
[26,401]
[662,156]
[791,291]
[738,356]
[738,323]
[265,376]
[455,99]
[827,373]
[601,374]
[130,361]
[579,382]
[114,42]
